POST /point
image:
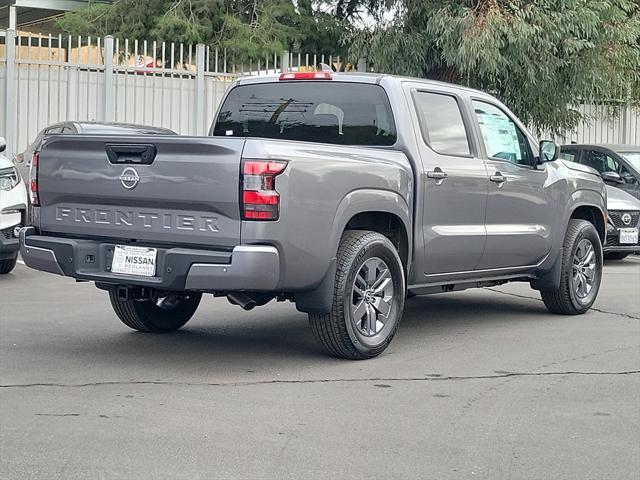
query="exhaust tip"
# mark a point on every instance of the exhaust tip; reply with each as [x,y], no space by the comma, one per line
[242,300]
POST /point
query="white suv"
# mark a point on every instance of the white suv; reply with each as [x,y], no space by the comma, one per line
[13,211]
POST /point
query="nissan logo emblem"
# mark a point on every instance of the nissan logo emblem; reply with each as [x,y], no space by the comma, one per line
[626,219]
[129,178]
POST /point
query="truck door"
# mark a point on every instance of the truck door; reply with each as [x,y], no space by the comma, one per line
[454,180]
[520,212]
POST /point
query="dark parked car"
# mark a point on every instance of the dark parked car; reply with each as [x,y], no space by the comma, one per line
[23,160]
[619,165]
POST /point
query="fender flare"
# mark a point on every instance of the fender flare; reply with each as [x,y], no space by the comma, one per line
[319,300]
[370,200]
[550,280]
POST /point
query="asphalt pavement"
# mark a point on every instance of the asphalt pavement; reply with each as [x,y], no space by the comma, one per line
[476,384]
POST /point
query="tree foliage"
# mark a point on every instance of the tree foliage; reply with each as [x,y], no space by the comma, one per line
[251,28]
[541,57]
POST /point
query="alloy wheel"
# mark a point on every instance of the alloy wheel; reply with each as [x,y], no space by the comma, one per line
[584,268]
[372,297]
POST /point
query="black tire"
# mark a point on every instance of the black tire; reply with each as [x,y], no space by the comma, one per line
[7,265]
[565,300]
[615,255]
[147,316]
[337,331]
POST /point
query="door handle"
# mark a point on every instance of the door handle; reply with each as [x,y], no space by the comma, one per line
[437,174]
[498,178]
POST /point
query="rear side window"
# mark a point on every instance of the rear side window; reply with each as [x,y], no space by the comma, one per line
[441,123]
[325,112]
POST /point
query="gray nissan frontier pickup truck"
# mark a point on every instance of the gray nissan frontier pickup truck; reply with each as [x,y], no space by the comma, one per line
[343,193]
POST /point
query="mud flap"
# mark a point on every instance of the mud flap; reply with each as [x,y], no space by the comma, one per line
[320,299]
[551,279]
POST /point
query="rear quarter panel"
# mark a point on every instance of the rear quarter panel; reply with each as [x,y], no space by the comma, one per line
[322,188]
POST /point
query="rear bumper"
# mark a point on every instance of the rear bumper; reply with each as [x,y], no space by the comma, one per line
[613,244]
[248,267]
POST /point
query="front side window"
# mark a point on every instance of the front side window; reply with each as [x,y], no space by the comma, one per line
[441,123]
[312,111]
[599,161]
[503,140]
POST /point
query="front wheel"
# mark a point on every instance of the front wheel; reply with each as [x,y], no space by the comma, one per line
[7,265]
[368,298]
[581,271]
[159,314]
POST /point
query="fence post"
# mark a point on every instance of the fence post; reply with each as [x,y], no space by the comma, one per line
[199,98]
[626,119]
[108,99]
[284,64]
[13,17]
[362,65]
[10,93]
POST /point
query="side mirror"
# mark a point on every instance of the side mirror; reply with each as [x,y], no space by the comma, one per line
[549,151]
[3,144]
[612,177]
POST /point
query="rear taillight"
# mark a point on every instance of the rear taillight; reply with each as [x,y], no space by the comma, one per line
[260,200]
[33,180]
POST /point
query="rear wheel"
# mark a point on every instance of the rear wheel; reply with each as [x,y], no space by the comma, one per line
[7,265]
[615,256]
[368,298]
[157,315]
[581,271]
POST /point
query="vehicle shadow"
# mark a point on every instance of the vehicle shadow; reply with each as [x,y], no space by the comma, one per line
[278,334]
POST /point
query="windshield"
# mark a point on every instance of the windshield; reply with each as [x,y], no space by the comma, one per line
[633,158]
[327,112]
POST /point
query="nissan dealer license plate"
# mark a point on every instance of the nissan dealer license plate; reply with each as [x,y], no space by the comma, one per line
[629,235]
[134,261]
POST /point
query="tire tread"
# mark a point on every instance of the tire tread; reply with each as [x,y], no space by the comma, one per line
[330,328]
[559,300]
[7,265]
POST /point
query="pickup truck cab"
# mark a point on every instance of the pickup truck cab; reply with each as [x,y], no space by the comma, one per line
[343,193]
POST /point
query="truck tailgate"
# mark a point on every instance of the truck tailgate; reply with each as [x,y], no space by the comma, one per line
[154,189]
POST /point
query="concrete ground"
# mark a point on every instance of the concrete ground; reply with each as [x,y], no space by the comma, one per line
[477,384]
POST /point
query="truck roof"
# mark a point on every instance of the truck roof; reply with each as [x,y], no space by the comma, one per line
[616,147]
[364,77]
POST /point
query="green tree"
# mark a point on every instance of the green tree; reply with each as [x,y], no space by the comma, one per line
[249,28]
[541,57]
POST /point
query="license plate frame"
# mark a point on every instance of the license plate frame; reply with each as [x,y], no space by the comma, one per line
[628,236]
[135,261]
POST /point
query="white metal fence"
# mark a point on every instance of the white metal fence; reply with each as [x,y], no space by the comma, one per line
[49,79]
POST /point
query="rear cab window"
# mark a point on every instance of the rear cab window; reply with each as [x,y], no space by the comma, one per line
[341,113]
